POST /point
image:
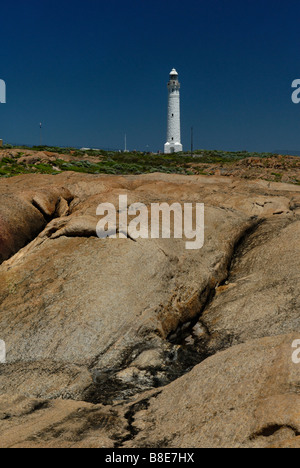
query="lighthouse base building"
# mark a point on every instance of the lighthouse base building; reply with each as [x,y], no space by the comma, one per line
[172,148]
[173,144]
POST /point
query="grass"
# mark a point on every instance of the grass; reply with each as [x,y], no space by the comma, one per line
[278,177]
[119,163]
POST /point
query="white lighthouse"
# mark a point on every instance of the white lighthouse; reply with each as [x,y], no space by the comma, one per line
[173,144]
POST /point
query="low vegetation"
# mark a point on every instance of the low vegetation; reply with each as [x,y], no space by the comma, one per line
[54,160]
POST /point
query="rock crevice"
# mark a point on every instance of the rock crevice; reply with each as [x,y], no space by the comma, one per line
[148,332]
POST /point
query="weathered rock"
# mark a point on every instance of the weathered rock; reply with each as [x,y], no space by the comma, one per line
[20,222]
[261,294]
[244,397]
[24,214]
[101,303]
[29,423]
[45,379]
[103,320]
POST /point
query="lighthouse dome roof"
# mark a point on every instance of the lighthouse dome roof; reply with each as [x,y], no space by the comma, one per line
[173,72]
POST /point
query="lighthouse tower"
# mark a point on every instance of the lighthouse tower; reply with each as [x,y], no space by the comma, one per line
[173,144]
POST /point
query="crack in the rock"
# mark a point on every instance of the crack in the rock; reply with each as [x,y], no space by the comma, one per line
[133,431]
[191,349]
[178,336]
[107,385]
[271,430]
[46,217]
[55,213]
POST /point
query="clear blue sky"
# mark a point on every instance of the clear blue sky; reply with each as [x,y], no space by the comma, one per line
[92,70]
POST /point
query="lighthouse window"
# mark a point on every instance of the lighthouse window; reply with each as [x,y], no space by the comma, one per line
[172,115]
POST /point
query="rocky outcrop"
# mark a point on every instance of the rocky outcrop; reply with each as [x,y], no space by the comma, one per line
[243,397]
[25,214]
[138,328]
[30,423]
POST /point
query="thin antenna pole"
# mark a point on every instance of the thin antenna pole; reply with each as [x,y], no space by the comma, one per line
[192,141]
[125,143]
[41,136]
